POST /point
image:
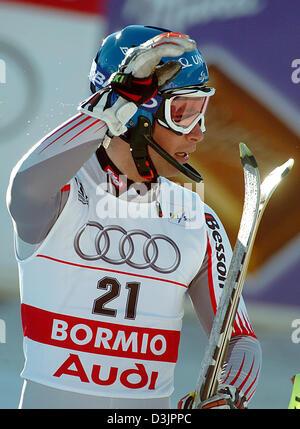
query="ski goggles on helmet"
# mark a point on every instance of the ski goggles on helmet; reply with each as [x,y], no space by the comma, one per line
[182,109]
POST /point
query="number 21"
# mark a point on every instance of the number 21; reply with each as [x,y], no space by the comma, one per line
[113,291]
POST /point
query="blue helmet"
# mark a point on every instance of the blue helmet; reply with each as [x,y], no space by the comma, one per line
[193,74]
[113,50]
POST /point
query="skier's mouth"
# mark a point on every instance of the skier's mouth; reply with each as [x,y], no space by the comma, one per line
[181,157]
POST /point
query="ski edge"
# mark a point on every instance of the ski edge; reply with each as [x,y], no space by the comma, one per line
[216,336]
[264,196]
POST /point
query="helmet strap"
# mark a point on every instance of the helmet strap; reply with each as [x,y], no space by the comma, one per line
[185,169]
[139,138]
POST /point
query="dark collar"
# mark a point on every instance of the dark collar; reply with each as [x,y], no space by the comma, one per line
[114,176]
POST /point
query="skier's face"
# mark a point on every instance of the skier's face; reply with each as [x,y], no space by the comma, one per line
[178,146]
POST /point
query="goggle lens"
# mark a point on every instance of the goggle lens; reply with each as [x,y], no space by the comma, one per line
[185,110]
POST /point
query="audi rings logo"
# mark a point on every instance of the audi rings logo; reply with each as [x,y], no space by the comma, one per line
[127,248]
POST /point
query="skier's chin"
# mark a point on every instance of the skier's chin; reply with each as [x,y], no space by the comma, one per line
[167,170]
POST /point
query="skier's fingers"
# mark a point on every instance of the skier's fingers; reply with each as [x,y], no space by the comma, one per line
[149,54]
[171,39]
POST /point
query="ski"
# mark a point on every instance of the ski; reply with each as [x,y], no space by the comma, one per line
[256,198]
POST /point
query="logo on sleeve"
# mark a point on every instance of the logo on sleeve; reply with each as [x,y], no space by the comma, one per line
[82,196]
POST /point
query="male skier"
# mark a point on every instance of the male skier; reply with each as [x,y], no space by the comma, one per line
[108,247]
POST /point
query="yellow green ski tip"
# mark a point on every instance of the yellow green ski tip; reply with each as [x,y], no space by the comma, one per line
[244,150]
[247,156]
[294,403]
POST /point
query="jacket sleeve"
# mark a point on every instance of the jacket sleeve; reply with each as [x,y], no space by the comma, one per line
[243,360]
[34,191]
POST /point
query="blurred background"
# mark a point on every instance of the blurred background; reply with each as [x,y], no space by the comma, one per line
[252,49]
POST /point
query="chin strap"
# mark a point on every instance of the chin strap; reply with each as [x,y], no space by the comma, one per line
[140,137]
[139,148]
